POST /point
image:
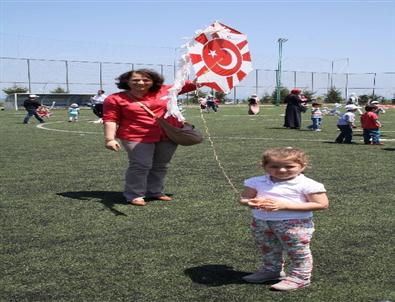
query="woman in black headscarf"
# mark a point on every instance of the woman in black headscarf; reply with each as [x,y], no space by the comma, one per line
[295,106]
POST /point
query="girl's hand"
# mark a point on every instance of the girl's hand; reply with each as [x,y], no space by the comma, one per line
[275,205]
[112,145]
[248,202]
[270,204]
[256,203]
[244,201]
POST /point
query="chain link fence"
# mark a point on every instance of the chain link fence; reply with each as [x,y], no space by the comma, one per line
[79,77]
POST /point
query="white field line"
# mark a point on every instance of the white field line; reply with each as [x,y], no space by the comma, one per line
[44,127]
[284,139]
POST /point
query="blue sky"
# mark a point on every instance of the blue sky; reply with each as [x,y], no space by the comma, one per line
[318,32]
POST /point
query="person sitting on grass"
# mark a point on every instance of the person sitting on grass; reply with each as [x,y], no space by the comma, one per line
[371,126]
[282,202]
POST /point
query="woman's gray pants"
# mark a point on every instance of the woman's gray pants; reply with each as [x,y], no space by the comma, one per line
[148,163]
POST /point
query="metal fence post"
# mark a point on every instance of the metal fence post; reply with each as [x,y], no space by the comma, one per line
[256,81]
[346,88]
[374,83]
[101,75]
[28,75]
[67,76]
[312,81]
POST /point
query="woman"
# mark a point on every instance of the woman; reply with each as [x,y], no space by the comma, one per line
[253,105]
[295,106]
[149,150]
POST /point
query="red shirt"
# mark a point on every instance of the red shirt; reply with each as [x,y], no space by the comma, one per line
[369,120]
[136,124]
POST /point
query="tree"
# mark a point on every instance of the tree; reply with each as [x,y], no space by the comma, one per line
[220,96]
[15,89]
[58,90]
[308,94]
[195,97]
[283,93]
[267,98]
[333,96]
[365,98]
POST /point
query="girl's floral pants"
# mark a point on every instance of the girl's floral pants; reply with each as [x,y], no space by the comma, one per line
[285,237]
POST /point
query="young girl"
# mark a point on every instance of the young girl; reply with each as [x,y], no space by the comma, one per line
[371,126]
[282,202]
[74,112]
[316,116]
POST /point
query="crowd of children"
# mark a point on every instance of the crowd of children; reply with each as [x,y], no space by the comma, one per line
[369,120]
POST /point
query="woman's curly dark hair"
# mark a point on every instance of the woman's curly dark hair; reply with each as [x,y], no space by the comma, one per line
[157,79]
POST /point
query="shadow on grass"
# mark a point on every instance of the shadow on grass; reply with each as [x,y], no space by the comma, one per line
[215,275]
[108,198]
[389,149]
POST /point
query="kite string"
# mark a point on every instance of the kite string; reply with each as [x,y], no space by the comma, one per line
[216,155]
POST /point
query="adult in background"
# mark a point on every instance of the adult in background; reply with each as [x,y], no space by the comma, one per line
[211,103]
[31,104]
[97,105]
[253,105]
[295,105]
[149,150]
[354,100]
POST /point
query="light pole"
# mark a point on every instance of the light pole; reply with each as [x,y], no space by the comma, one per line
[280,52]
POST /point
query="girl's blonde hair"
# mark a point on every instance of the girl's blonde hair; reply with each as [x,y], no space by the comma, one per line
[285,153]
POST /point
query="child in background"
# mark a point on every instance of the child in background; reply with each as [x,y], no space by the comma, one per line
[316,116]
[346,123]
[74,112]
[202,103]
[377,109]
[282,202]
[211,103]
[371,126]
[43,111]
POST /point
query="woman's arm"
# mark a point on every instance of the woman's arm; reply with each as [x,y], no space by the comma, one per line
[110,128]
[188,87]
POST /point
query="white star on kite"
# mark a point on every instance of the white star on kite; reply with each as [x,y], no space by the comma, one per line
[213,53]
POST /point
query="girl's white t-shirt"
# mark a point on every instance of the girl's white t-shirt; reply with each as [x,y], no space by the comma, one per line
[294,190]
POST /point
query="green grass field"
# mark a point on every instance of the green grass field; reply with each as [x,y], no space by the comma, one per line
[68,235]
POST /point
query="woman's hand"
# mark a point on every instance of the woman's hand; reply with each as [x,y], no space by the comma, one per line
[112,145]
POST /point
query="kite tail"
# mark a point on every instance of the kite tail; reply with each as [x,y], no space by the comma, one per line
[179,82]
